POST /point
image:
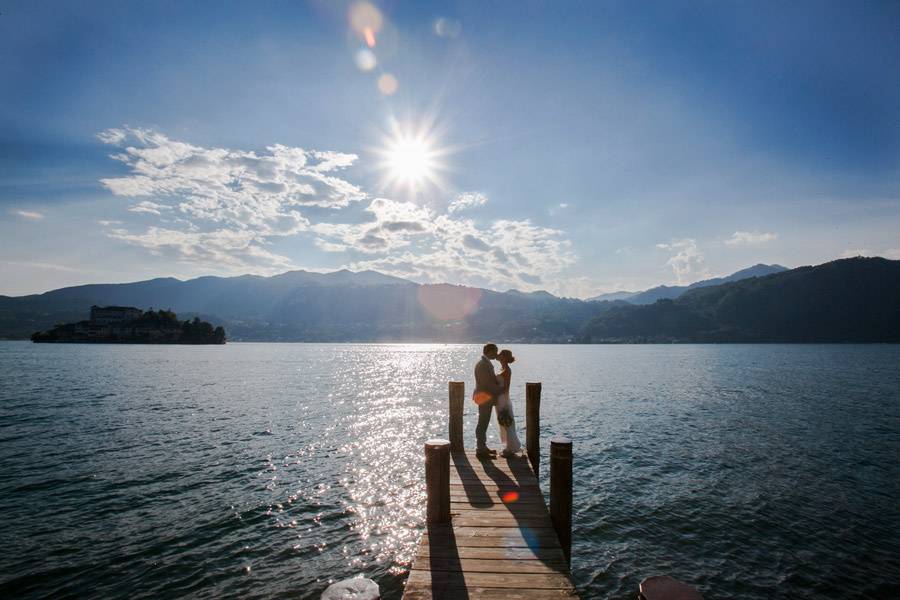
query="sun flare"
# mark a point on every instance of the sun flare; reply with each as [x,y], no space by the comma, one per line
[411,159]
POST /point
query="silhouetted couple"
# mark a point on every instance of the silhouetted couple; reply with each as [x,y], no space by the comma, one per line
[492,392]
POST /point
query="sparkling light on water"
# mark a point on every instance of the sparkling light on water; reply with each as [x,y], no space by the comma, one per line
[268,470]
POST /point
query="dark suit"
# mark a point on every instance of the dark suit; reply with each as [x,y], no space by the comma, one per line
[485,384]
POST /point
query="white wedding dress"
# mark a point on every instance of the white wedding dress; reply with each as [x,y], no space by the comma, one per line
[508,435]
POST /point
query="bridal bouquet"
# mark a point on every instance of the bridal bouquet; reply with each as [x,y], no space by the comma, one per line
[504,418]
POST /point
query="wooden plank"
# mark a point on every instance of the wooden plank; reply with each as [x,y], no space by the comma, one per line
[421,592]
[521,511]
[502,499]
[519,466]
[490,487]
[511,540]
[426,551]
[459,506]
[495,503]
[528,581]
[501,521]
[491,484]
[478,565]
[459,531]
[482,478]
[496,477]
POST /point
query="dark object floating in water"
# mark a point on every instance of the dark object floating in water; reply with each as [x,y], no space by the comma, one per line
[663,587]
[129,325]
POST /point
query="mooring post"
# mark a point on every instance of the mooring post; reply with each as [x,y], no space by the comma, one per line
[561,492]
[437,481]
[457,392]
[533,424]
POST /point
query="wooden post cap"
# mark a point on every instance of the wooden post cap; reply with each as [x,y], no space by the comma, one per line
[436,444]
[663,587]
[561,446]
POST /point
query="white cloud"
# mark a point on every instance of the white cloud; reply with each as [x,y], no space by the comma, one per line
[240,195]
[555,209]
[146,206]
[466,200]
[687,263]
[326,246]
[222,208]
[31,215]
[739,238]
[229,185]
[506,254]
[230,249]
[394,224]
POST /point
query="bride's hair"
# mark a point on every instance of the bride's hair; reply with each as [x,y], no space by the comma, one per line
[507,356]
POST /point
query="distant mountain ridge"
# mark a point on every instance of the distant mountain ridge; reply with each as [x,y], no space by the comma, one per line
[845,300]
[662,292]
[304,306]
[849,300]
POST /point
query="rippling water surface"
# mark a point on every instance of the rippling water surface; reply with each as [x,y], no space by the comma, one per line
[268,470]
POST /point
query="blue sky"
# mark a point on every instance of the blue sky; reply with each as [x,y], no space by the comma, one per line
[575,147]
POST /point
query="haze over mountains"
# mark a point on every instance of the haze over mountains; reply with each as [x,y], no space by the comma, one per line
[846,300]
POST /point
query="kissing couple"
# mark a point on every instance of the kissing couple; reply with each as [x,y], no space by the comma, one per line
[492,391]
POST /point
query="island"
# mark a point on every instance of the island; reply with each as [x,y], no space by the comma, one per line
[130,325]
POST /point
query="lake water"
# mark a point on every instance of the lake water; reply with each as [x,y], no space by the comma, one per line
[268,470]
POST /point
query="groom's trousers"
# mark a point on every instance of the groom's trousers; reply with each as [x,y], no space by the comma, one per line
[484,419]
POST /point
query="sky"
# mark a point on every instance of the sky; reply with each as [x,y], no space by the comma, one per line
[575,147]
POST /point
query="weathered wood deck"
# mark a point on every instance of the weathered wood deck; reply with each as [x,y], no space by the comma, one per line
[500,543]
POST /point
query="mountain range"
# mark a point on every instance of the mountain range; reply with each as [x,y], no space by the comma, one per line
[670,292]
[845,300]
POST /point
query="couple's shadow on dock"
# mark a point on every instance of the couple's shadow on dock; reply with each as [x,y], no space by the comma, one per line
[498,514]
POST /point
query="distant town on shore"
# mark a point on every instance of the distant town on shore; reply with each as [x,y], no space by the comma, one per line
[127,324]
[847,300]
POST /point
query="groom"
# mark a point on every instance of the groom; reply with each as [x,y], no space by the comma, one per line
[487,388]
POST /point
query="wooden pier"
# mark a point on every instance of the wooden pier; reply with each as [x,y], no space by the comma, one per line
[489,533]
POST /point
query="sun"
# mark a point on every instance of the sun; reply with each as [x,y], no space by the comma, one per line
[410,158]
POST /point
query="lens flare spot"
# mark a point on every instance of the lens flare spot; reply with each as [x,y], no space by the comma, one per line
[388,84]
[365,59]
[449,302]
[369,36]
[510,497]
[365,16]
[447,28]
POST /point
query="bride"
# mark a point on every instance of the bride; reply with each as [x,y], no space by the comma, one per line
[506,421]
